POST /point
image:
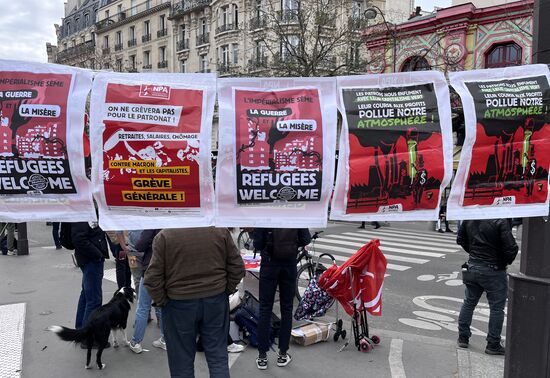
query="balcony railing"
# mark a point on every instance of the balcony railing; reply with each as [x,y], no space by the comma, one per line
[106,50]
[132,42]
[257,63]
[227,68]
[119,46]
[290,15]
[162,64]
[146,38]
[162,33]
[258,23]
[147,66]
[204,70]
[203,39]
[72,52]
[183,45]
[130,14]
[187,6]
[226,27]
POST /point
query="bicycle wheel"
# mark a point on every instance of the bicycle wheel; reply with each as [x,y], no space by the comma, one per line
[244,241]
[304,276]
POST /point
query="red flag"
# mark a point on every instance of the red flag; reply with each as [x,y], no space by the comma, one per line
[366,268]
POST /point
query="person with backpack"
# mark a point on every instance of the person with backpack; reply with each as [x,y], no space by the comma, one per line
[90,246]
[279,250]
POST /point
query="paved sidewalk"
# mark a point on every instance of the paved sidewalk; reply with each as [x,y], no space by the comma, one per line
[48,284]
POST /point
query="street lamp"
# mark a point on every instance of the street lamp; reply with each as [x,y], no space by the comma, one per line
[370,14]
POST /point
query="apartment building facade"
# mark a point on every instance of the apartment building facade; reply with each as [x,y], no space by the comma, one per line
[75,36]
[134,35]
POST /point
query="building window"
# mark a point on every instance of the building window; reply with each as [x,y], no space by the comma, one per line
[183,32]
[416,63]
[119,65]
[133,8]
[356,9]
[235,16]
[87,19]
[235,53]
[146,27]
[258,8]
[119,38]
[106,42]
[146,59]
[204,63]
[132,33]
[106,14]
[162,22]
[132,62]
[119,8]
[162,53]
[224,56]
[225,16]
[183,66]
[289,47]
[68,28]
[503,55]
[77,22]
[203,29]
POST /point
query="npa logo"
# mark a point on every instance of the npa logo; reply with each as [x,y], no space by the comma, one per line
[154,91]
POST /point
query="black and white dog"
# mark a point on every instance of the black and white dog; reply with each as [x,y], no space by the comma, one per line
[109,318]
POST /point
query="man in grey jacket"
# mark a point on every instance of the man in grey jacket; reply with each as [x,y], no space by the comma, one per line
[191,273]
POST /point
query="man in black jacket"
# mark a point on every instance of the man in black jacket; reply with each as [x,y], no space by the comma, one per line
[90,253]
[492,248]
[279,249]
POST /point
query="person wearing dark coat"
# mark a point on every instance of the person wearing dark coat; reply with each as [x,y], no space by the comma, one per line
[491,247]
[90,252]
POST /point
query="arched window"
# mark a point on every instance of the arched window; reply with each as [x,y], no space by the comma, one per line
[503,55]
[416,63]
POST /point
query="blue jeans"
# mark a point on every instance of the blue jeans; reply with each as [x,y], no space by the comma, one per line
[183,319]
[495,284]
[283,274]
[91,295]
[142,314]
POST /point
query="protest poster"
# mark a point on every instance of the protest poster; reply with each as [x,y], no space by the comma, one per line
[276,152]
[151,146]
[395,155]
[503,168]
[42,173]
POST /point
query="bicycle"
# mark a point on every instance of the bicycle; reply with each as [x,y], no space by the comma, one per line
[245,241]
[309,266]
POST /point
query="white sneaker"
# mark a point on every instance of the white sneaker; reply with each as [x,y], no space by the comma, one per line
[160,343]
[135,347]
[235,348]
[13,252]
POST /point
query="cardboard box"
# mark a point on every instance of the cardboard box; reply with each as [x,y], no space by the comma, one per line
[311,333]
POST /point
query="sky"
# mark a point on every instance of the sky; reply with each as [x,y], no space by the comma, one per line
[26,26]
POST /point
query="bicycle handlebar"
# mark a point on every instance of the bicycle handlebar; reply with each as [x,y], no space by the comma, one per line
[316,235]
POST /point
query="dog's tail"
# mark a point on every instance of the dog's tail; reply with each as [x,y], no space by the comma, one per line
[69,334]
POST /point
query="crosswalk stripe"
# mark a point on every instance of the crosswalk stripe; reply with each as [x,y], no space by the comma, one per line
[350,251]
[424,239]
[12,329]
[386,246]
[428,235]
[412,243]
[400,268]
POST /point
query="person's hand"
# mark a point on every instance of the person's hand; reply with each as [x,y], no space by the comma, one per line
[122,254]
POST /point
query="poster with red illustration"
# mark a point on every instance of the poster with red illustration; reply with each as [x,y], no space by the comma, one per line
[276,153]
[153,152]
[40,107]
[396,134]
[279,142]
[503,170]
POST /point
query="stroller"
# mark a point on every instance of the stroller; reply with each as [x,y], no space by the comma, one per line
[357,286]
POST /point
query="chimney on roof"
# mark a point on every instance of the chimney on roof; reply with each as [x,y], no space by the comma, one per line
[417,12]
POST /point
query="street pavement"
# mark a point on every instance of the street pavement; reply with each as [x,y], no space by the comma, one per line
[418,329]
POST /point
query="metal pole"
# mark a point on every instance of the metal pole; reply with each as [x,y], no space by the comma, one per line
[528,329]
[22,241]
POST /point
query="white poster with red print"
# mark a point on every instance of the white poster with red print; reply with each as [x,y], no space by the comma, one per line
[395,147]
[42,173]
[151,138]
[276,151]
[503,168]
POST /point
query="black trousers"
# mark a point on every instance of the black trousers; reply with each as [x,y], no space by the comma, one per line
[273,274]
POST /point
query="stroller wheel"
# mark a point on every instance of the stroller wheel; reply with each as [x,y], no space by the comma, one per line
[343,334]
[364,345]
[375,339]
[336,336]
